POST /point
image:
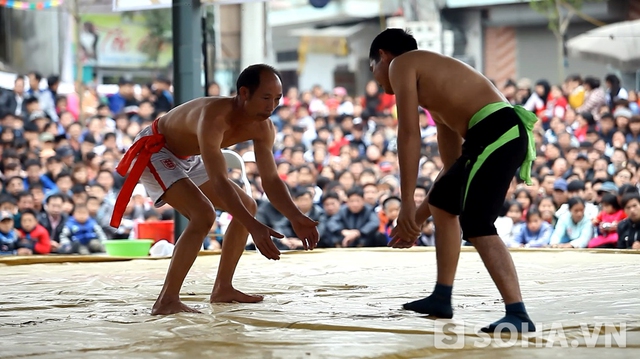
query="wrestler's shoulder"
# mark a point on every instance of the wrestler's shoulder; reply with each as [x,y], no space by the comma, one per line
[415,58]
[216,109]
[219,104]
[264,130]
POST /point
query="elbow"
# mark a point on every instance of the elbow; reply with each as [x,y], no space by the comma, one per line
[271,183]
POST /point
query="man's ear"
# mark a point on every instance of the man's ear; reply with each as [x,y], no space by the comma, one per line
[386,56]
[244,93]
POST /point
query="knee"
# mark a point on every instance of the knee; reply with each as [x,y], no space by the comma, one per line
[440,214]
[203,215]
[251,206]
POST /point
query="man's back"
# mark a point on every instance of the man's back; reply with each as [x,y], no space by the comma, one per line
[451,90]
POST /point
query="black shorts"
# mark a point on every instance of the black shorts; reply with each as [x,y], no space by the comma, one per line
[475,187]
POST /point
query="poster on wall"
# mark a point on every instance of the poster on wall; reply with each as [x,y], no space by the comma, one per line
[111,40]
[133,5]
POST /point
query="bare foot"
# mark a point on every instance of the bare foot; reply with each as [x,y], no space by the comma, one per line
[171,307]
[233,295]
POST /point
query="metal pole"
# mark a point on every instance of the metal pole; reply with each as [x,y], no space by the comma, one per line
[187,57]
[204,52]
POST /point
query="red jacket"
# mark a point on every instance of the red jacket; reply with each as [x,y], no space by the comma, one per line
[40,239]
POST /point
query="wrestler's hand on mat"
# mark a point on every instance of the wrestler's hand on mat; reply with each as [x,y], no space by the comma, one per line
[407,229]
[397,242]
[635,245]
[261,235]
[306,229]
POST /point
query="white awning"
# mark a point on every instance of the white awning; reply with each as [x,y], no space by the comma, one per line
[332,31]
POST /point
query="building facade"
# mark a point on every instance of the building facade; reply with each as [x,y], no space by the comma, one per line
[509,40]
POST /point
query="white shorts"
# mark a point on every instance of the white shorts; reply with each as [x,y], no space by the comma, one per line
[165,169]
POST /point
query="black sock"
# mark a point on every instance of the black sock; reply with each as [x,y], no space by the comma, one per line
[516,319]
[438,304]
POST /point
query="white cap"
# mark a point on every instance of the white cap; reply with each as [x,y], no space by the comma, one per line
[249,156]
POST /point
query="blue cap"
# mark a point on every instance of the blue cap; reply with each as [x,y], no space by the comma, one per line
[560,185]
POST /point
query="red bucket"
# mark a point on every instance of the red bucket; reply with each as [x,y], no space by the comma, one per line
[156,230]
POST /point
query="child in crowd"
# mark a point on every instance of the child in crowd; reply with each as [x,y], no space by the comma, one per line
[607,222]
[547,210]
[391,209]
[509,224]
[82,234]
[8,234]
[535,233]
[34,238]
[427,234]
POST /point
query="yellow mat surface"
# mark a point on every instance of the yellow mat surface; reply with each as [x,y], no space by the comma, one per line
[323,304]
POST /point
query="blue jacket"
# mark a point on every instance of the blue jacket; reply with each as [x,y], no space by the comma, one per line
[531,239]
[8,242]
[82,233]
[47,184]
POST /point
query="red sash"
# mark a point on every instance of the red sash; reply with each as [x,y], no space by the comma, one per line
[143,148]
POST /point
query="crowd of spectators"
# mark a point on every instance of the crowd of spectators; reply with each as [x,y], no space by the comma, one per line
[335,151]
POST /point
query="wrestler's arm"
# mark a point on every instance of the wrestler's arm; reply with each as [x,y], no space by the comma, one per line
[210,135]
[449,148]
[274,187]
[403,80]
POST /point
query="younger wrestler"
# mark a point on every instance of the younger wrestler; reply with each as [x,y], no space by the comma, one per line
[179,161]
[476,175]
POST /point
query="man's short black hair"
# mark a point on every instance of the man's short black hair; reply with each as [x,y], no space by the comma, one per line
[628,197]
[36,74]
[329,195]
[394,41]
[355,191]
[250,77]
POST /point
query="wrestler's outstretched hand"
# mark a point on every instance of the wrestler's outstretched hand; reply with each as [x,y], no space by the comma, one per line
[261,235]
[306,230]
[407,229]
[398,242]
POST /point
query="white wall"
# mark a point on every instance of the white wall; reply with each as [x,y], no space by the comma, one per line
[253,36]
[472,20]
[318,70]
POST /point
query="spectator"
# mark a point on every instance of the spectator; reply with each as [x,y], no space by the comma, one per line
[124,98]
[303,199]
[427,234]
[574,90]
[53,219]
[164,98]
[34,238]
[8,234]
[508,225]
[615,91]
[573,229]
[81,234]
[606,223]
[595,97]
[629,228]
[33,169]
[355,224]
[391,209]
[535,233]
[14,102]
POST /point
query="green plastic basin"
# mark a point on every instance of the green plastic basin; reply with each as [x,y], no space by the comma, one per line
[128,247]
